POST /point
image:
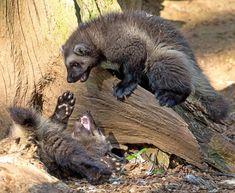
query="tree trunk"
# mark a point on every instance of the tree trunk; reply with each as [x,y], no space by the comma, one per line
[33,75]
[31,35]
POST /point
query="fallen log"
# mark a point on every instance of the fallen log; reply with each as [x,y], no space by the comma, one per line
[139,119]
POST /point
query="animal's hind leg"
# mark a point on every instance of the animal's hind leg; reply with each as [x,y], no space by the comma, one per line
[64,108]
[170,81]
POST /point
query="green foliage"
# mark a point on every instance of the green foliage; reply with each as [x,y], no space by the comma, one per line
[158,171]
[136,155]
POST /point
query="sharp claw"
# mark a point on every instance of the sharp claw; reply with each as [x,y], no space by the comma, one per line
[162,103]
[157,94]
[120,98]
[119,94]
[170,103]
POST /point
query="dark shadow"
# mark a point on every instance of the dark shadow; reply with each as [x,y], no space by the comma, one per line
[112,138]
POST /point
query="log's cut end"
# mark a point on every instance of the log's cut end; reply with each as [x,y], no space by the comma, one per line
[139,119]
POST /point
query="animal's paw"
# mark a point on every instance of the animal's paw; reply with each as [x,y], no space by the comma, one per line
[64,107]
[122,90]
[96,172]
[115,163]
[103,170]
[170,98]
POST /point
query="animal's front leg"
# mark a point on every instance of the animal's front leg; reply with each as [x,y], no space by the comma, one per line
[64,108]
[129,83]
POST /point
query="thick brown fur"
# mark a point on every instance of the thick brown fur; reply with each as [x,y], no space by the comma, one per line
[79,151]
[144,46]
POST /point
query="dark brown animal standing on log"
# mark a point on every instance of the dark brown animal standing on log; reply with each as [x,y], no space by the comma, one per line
[80,151]
[145,47]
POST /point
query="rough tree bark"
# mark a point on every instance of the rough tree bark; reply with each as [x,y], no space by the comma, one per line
[31,35]
[33,75]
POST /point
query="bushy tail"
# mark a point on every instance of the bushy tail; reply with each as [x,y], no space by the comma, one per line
[24,117]
[216,106]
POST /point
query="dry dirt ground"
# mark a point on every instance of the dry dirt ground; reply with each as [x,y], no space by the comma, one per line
[210,28]
[182,179]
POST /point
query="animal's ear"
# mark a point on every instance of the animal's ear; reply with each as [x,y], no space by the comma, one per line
[81,49]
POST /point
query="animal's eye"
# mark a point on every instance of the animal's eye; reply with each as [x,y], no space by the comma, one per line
[74,65]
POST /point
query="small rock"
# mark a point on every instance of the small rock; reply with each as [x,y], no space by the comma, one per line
[200,182]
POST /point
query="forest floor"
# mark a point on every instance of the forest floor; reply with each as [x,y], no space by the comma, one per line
[210,28]
[182,179]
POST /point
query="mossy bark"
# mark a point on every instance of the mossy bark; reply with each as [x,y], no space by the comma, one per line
[92,8]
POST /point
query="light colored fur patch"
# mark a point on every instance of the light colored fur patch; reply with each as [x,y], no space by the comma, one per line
[85,60]
[18,131]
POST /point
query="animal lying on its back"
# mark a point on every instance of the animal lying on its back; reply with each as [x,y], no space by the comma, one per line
[80,151]
[145,47]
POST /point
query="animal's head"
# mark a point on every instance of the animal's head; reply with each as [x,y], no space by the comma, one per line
[86,131]
[79,59]
[86,124]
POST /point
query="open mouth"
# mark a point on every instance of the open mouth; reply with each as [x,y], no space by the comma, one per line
[85,121]
[84,77]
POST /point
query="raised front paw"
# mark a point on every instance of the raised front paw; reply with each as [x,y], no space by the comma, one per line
[122,90]
[170,98]
[64,107]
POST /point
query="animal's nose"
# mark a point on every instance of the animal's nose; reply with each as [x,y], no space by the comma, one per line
[69,79]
